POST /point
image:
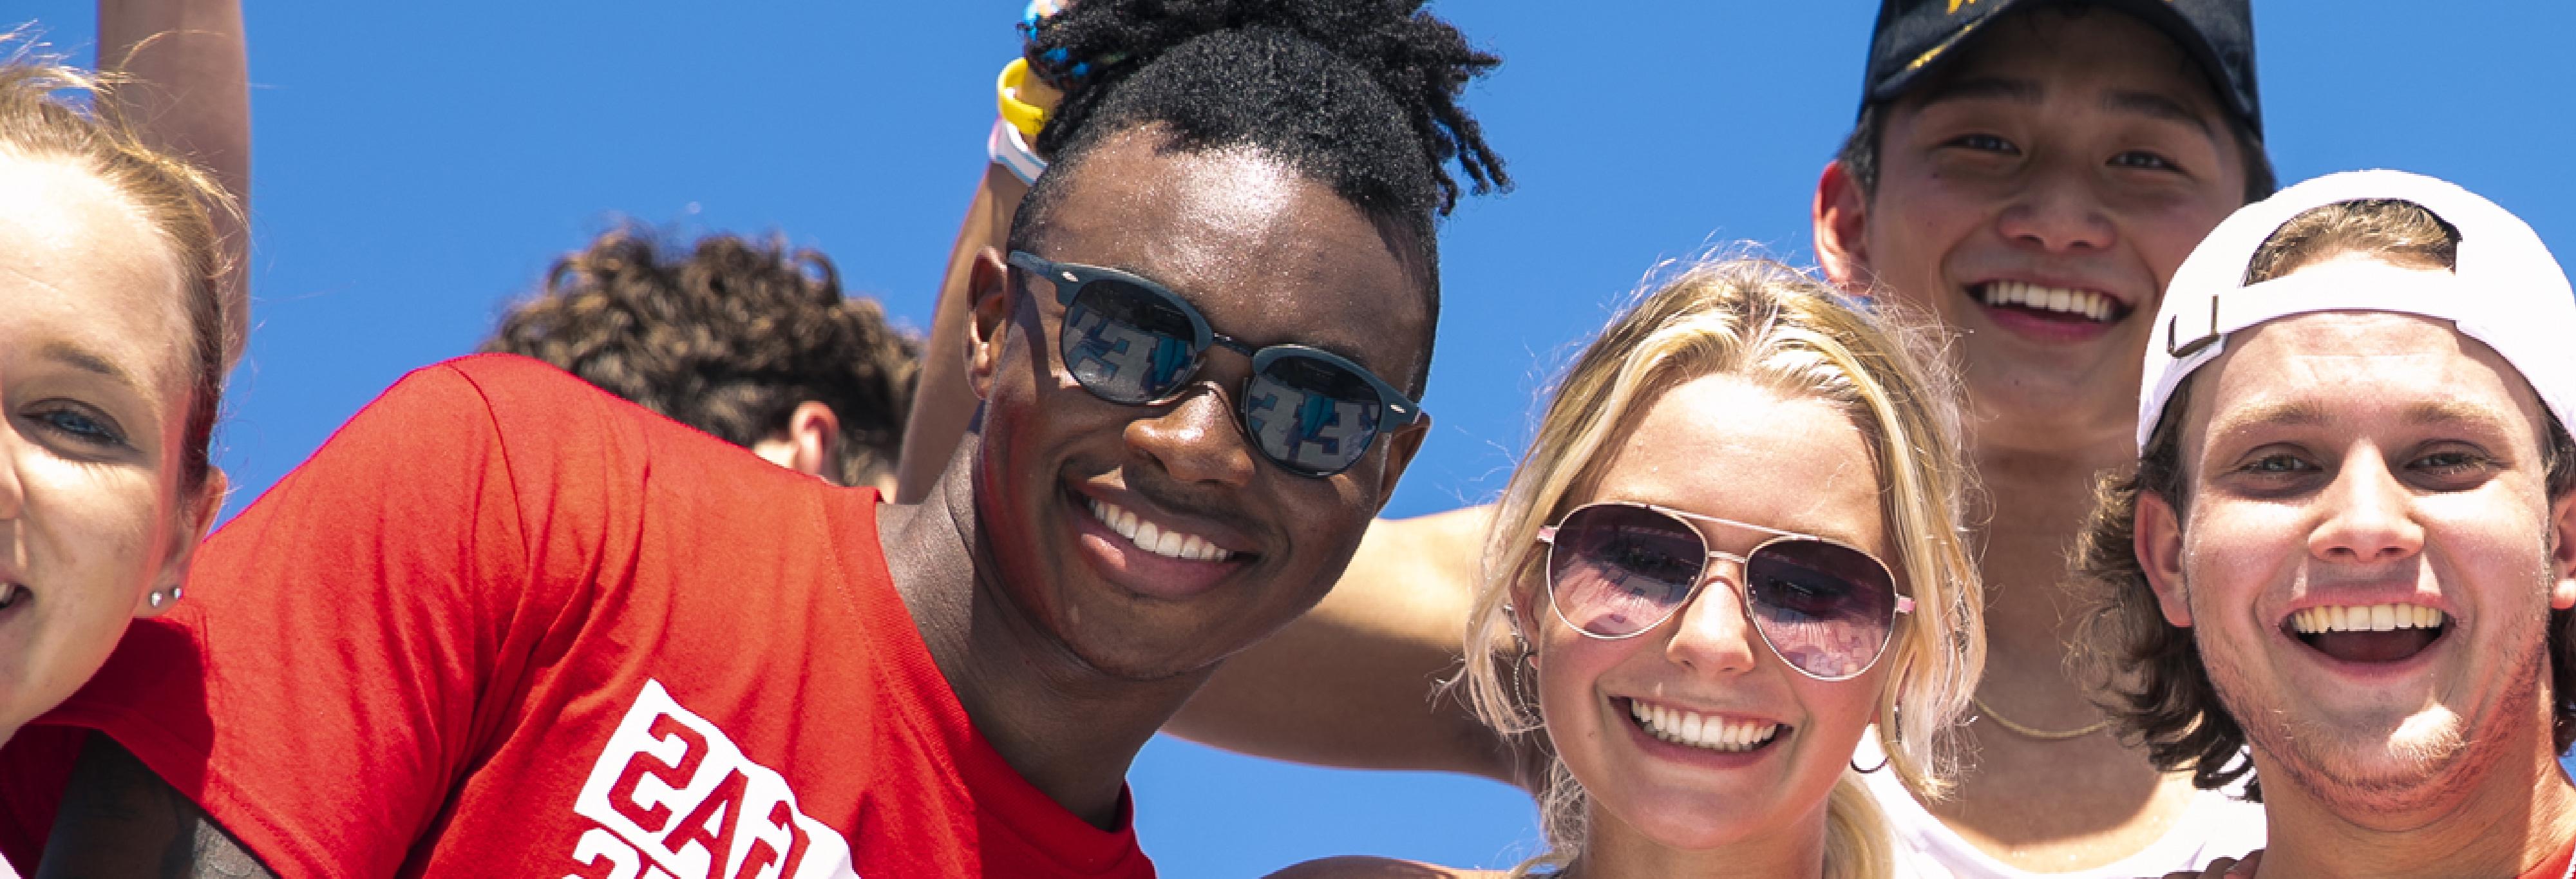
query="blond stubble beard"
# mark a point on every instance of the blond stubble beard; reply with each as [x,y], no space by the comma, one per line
[2432,768]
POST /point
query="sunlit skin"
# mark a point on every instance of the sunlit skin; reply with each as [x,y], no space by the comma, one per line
[2080,151]
[94,379]
[1270,256]
[2068,147]
[1718,446]
[2357,458]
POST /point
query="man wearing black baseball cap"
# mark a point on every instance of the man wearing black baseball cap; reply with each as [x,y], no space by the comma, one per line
[2031,172]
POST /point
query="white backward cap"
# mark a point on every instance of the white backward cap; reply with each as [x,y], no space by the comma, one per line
[2507,291]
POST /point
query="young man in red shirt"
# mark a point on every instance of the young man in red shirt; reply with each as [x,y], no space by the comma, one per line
[2350,540]
[503,624]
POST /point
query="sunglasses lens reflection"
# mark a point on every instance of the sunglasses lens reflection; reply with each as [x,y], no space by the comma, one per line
[1825,608]
[1311,415]
[1127,344]
[1617,570]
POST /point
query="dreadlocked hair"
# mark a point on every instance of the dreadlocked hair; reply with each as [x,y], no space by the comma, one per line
[1244,77]
[1359,95]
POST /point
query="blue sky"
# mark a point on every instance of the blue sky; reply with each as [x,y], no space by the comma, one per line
[417,166]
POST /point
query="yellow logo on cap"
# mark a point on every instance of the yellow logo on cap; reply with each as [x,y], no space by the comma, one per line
[1955,4]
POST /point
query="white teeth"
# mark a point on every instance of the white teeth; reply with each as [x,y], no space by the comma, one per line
[1151,538]
[2092,305]
[9,593]
[2365,618]
[1699,731]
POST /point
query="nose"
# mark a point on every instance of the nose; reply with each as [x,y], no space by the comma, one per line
[2058,213]
[1195,439]
[1713,636]
[2367,515]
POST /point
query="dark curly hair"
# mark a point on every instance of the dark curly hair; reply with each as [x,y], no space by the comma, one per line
[2147,674]
[1360,95]
[728,338]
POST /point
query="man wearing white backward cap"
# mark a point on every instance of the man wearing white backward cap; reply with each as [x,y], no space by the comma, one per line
[2347,557]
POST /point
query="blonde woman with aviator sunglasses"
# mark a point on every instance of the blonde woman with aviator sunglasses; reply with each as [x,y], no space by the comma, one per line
[1733,551]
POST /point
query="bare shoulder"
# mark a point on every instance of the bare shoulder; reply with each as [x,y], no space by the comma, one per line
[1362,867]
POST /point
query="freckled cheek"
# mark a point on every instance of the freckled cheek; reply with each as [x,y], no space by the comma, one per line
[2232,554]
[93,544]
[1846,706]
[1570,671]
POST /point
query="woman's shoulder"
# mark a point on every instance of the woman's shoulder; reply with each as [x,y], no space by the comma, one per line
[1361,867]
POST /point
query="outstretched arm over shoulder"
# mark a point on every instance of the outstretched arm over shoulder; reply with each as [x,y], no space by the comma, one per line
[1357,682]
[190,96]
[120,820]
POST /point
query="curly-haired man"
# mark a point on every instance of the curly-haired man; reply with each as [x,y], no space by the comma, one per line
[2347,557]
[747,340]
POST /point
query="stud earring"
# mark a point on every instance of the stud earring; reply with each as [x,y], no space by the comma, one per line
[159,597]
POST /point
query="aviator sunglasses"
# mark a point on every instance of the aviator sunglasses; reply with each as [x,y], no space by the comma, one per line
[1132,341]
[1616,569]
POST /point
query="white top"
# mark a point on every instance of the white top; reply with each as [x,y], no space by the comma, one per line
[2216,825]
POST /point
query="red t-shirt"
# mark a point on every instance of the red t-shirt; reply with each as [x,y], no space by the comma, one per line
[504,624]
[2558,866]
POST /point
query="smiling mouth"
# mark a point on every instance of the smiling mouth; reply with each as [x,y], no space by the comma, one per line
[1147,536]
[1689,729]
[2377,633]
[2051,303]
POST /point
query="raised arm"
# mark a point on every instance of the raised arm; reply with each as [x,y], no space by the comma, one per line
[120,820]
[942,405]
[190,96]
[1356,683]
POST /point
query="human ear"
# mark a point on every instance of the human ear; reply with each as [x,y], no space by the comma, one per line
[1401,445]
[1841,219]
[196,517]
[989,285]
[807,444]
[2562,553]
[2156,537]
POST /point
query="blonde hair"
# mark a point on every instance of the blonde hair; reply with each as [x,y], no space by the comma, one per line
[1766,323]
[40,120]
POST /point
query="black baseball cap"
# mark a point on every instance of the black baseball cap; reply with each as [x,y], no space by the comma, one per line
[1916,37]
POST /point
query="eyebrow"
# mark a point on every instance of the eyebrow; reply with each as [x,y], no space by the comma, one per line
[85,361]
[2456,412]
[2154,105]
[2023,91]
[2289,413]
[2301,413]
[1991,88]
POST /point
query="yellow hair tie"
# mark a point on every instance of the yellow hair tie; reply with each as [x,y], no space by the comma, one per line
[1020,111]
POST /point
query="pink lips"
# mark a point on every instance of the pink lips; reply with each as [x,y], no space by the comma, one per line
[2049,313]
[1145,572]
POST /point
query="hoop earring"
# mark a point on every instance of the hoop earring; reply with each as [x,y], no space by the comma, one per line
[1882,764]
[1520,659]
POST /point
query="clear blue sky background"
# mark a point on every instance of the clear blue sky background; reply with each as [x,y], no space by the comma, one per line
[418,164]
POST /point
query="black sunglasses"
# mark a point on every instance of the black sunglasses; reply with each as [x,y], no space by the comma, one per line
[1132,341]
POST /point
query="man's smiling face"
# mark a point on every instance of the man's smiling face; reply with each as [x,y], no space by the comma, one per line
[2367,555]
[2038,196]
[1078,497]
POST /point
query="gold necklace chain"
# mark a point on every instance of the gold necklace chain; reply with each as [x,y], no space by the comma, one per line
[2045,735]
